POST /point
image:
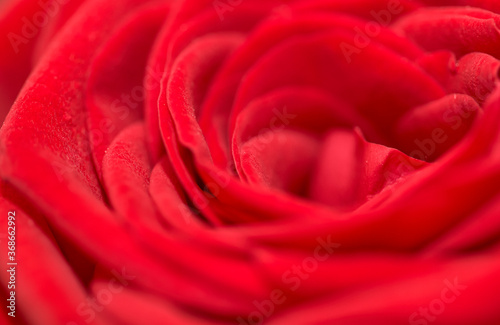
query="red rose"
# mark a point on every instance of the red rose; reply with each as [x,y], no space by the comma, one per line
[250,162]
